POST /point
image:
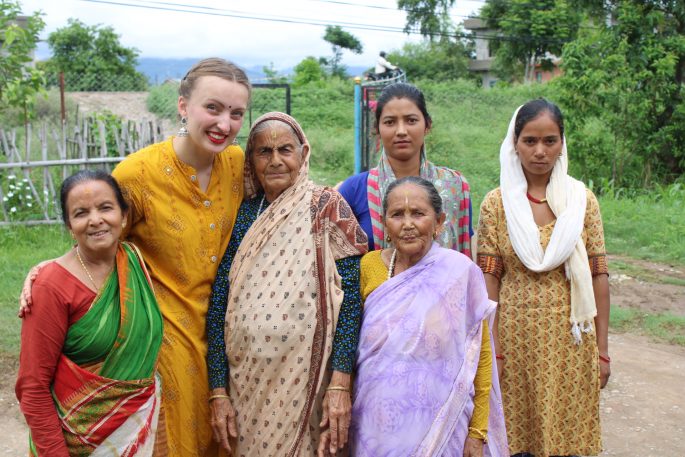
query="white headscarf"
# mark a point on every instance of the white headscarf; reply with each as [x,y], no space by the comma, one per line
[567,199]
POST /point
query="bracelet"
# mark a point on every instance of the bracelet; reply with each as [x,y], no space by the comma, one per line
[339,388]
[481,436]
[606,359]
[499,356]
[214,397]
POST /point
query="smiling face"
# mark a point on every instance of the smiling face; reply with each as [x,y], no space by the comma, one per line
[277,158]
[539,145]
[402,128]
[411,221]
[94,217]
[215,111]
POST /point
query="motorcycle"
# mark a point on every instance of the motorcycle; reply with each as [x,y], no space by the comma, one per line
[389,76]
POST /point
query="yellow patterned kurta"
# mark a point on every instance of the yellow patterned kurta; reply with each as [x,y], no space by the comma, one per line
[182,233]
[550,386]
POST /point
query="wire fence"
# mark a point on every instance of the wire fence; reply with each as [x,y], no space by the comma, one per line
[90,123]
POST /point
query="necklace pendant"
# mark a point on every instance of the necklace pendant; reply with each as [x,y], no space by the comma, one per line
[535,200]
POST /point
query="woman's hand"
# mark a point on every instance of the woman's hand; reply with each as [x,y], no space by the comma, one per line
[473,447]
[222,419]
[604,373]
[324,443]
[337,410]
[25,299]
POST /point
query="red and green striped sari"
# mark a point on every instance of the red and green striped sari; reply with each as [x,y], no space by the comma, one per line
[453,189]
[105,389]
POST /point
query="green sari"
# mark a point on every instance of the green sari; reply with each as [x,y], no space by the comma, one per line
[113,407]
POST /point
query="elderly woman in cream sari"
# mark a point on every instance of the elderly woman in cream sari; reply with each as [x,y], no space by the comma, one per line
[285,310]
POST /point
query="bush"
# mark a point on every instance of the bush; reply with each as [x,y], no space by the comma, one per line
[309,71]
[163,100]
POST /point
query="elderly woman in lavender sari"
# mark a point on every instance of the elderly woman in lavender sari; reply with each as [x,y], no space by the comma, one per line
[425,382]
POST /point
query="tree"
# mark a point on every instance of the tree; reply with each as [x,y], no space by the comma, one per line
[92,59]
[529,32]
[20,83]
[430,16]
[434,60]
[309,70]
[339,40]
[272,75]
[623,91]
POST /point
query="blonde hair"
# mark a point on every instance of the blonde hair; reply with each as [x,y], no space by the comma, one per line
[213,66]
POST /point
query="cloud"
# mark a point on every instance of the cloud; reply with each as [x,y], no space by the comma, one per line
[158,33]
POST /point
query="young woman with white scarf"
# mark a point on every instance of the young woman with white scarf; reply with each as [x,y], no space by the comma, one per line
[541,247]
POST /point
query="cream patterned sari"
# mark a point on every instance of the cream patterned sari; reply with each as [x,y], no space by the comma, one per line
[283,306]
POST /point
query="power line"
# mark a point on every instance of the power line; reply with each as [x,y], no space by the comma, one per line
[211,11]
[242,15]
[385,8]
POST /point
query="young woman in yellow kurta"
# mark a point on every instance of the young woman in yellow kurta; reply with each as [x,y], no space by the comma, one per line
[184,195]
[541,249]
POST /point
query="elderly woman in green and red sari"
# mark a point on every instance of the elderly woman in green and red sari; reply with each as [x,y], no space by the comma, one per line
[87,375]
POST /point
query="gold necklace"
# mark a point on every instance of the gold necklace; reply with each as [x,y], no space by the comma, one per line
[78,256]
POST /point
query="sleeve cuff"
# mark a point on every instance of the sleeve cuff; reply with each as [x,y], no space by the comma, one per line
[491,264]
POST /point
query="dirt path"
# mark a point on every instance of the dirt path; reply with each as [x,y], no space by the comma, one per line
[642,407]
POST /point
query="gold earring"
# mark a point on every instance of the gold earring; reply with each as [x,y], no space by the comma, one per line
[123,225]
[387,238]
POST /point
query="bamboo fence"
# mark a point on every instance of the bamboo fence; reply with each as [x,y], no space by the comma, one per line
[30,173]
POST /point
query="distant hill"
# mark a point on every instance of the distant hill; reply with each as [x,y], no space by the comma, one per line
[159,69]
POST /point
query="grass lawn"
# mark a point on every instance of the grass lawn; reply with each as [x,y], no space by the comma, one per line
[20,249]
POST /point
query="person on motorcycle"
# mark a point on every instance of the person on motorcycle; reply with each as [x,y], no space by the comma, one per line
[383,67]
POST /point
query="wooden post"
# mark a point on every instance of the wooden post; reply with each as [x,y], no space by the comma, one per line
[103,138]
[63,106]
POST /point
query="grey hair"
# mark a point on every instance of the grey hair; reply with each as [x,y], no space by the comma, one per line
[432,193]
[272,124]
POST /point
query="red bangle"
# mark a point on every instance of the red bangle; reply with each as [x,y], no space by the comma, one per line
[606,359]
[499,356]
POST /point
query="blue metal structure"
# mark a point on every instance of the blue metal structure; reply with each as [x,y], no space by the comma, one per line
[366,142]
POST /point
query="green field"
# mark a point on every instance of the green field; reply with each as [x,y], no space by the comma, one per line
[468,127]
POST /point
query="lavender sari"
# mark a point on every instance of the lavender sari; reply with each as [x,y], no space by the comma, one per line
[417,359]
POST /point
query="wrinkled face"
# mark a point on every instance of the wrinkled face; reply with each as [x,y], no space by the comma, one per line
[411,221]
[402,128]
[95,217]
[276,158]
[539,146]
[215,111]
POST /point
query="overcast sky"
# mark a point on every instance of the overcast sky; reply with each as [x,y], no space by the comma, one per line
[209,27]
